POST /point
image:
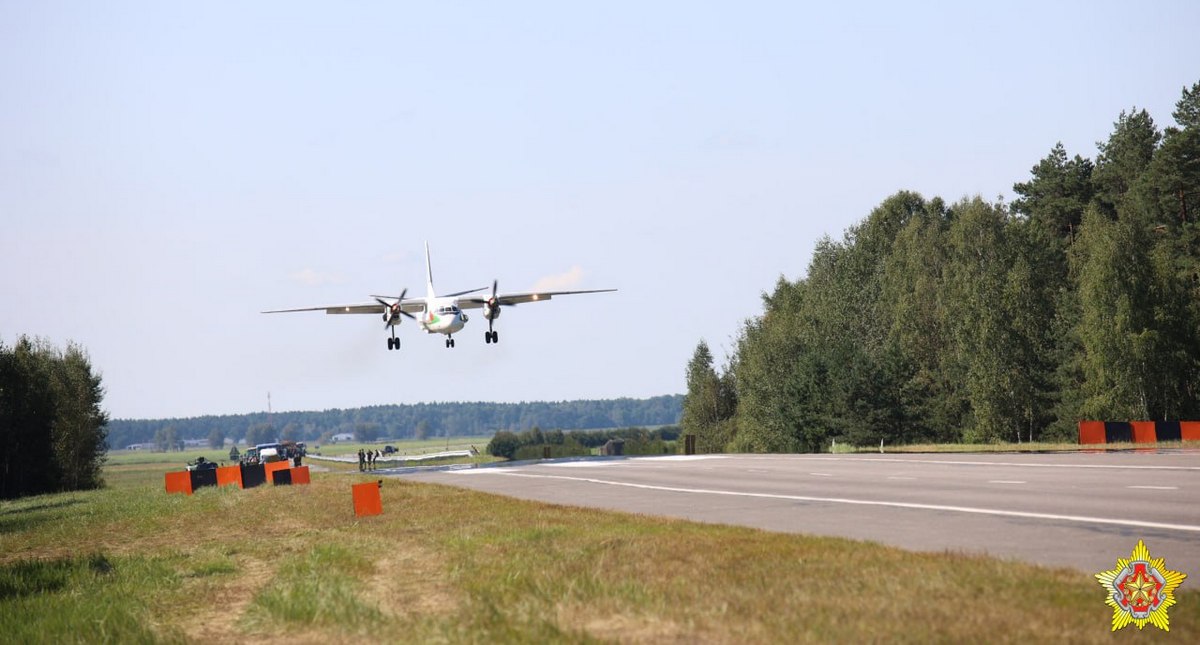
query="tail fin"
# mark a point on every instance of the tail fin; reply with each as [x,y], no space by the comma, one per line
[428,275]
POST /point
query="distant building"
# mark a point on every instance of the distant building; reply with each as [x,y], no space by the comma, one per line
[345,436]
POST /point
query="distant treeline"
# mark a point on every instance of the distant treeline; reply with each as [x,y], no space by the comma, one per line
[51,422]
[417,421]
[983,321]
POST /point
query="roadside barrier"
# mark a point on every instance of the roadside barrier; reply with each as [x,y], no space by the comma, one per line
[1099,432]
[367,499]
[243,476]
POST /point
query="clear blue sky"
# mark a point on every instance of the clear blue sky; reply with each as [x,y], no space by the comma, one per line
[168,170]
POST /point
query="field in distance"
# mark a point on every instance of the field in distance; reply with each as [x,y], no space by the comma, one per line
[133,564]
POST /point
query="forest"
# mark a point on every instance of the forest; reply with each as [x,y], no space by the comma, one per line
[419,421]
[982,321]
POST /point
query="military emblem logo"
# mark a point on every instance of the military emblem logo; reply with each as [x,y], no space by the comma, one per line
[1140,590]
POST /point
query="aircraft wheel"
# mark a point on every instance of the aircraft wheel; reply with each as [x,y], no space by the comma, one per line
[391,343]
[487,337]
[495,337]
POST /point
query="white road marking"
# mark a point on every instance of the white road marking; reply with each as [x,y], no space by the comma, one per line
[595,463]
[1155,487]
[1005,481]
[901,477]
[863,502]
[821,474]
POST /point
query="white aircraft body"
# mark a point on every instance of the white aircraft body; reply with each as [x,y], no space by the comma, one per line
[439,314]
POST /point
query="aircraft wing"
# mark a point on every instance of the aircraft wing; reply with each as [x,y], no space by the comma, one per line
[521,298]
[373,308]
[411,305]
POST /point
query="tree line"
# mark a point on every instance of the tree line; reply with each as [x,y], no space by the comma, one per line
[417,421]
[531,444]
[983,321]
[52,429]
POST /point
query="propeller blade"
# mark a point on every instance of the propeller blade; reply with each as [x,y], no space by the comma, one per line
[398,310]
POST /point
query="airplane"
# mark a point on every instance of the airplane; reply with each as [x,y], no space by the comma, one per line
[440,314]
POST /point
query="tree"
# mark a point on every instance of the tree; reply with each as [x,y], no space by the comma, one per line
[503,444]
[216,438]
[366,432]
[709,402]
[1057,194]
[260,433]
[1115,326]
[166,439]
[1123,158]
[52,429]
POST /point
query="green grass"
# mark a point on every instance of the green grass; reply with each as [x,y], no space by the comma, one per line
[133,564]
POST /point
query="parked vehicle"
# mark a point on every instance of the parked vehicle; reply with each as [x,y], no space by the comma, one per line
[201,464]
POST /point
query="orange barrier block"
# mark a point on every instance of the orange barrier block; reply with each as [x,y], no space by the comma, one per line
[1189,430]
[367,500]
[179,482]
[229,475]
[1143,432]
[1091,432]
[300,475]
[273,466]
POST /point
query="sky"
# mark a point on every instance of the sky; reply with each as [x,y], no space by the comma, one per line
[170,170]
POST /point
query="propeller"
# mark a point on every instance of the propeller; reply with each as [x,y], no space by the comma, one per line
[393,308]
[491,304]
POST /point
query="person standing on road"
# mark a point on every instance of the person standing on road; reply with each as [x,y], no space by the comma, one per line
[362,460]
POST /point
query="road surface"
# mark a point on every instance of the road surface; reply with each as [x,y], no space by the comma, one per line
[1079,510]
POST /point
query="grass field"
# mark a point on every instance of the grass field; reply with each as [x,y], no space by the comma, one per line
[133,564]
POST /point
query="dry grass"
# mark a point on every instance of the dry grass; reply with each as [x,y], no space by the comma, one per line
[447,565]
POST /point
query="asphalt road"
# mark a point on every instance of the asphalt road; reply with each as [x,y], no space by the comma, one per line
[1079,510]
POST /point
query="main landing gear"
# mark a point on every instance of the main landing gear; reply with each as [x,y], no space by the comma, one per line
[449,342]
[393,342]
[490,337]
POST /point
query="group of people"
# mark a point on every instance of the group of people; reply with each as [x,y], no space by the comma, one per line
[367,459]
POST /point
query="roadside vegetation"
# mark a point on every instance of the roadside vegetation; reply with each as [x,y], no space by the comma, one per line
[130,563]
[982,321]
[536,443]
[52,428]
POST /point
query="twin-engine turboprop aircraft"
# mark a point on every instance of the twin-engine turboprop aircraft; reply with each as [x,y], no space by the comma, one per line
[439,314]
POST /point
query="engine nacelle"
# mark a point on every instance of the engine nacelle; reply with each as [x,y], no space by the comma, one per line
[391,316]
[491,313]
